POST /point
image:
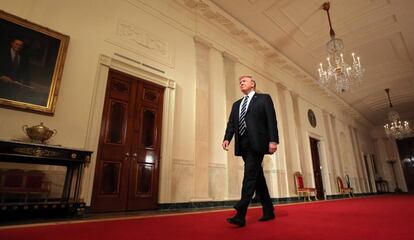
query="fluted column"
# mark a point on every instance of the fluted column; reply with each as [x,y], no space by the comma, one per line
[361,164]
[202,119]
[337,151]
[298,135]
[234,166]
[356,173]
[330,162]
[284,166]
[218,117]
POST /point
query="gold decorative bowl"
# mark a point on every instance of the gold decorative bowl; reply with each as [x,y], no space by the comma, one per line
[38,133]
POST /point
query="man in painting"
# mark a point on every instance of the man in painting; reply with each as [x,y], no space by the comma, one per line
[14,70]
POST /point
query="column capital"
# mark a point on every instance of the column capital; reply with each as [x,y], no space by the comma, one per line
[294,94]
[324,111]
[203,41]
[230,56]
[281,86]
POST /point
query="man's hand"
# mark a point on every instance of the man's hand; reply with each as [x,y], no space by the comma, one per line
[225,145]
[7,79]
[272,147]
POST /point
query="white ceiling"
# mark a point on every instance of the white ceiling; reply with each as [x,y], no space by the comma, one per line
[381,32]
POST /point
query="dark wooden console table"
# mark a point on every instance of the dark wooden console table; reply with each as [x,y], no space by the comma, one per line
[31,153]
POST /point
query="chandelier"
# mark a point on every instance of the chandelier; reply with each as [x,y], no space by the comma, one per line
[338,75]
[395,128]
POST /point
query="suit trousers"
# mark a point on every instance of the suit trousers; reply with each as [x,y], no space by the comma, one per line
[253,180]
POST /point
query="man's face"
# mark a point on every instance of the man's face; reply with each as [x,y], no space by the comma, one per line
[17,45]
[246,84]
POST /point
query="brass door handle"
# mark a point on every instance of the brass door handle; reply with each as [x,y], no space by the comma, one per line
[127,154]
[134,154]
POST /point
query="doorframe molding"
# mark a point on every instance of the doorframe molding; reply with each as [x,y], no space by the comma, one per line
[323,160]
[105,63]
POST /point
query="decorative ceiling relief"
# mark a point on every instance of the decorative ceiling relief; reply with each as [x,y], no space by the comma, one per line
[131,37]
[235,29]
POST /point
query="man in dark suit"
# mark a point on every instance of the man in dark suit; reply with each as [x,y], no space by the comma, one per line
[253,123]
[14,70]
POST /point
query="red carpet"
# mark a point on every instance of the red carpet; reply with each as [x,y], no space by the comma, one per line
[379,218]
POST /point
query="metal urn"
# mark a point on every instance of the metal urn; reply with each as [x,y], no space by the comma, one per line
[39,133]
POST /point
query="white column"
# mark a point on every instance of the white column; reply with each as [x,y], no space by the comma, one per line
[298,136]
[330,163]
[356,171]
[234,164]
[336,150]
[285,170]
[202,119]
[361,164]
[218,119]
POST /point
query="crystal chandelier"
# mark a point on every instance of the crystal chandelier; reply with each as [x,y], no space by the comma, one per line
[339,75]
[395,128]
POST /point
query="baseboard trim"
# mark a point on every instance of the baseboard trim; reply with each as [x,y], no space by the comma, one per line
[231,203]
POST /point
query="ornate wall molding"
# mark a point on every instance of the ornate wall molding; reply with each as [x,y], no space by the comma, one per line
[132,37]
[95,118]
[217,165]
[183,162]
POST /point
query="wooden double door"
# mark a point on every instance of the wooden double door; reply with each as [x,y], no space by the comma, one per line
[127,167]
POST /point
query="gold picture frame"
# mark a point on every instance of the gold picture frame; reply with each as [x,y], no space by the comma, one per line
[31,64]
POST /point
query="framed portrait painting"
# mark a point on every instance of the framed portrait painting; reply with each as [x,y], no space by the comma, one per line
[31,64]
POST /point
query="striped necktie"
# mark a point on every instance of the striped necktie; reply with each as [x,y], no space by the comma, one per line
[242,119]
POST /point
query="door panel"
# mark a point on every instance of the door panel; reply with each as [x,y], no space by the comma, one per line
[117,123]
[144,180]
[146,149]
[112,166]
[149,131]
[111,173]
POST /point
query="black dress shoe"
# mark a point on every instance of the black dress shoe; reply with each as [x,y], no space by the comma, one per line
[236,221]
[267,217]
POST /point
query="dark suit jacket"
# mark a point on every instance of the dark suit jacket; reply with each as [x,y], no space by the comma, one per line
[261,124]
[22,73]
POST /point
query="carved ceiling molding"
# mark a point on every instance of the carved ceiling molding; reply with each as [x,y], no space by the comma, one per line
[212,13]
[218,17]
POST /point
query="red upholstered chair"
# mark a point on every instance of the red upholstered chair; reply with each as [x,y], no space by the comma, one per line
[36,184]
[16,182]
[301,189]
[11,182]
[342,188]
